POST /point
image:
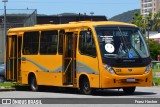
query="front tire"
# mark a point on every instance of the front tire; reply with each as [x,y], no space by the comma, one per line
[33,84]
[85,87]
[129,90]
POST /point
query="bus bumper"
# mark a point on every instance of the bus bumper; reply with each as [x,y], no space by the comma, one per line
[118,81]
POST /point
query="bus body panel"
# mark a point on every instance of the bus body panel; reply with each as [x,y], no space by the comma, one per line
[46,73]
[93,79]
[90,66]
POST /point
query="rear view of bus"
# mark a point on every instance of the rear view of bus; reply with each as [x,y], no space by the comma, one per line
[125,57]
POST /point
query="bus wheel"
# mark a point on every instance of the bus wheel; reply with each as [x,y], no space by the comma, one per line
[129,90]
[85,86]
[34,86]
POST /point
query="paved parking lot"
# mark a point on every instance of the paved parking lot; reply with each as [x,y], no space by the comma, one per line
[141,92]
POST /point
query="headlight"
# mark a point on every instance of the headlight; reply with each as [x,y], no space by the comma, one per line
[109,68]
[148,68]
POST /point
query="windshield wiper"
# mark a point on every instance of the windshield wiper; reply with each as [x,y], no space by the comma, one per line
[122,39]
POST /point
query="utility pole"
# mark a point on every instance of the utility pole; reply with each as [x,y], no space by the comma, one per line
[148,28]
[91,15]
[5,32]
[60,20]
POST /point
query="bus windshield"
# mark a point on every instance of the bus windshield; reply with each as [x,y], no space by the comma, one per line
[121,42]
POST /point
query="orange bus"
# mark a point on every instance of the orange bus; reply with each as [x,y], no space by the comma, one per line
[85,55]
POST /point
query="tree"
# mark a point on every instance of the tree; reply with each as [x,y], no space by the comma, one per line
[156,21]
[154,49]
[142,21]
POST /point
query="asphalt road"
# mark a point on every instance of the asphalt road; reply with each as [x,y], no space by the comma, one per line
[73,96]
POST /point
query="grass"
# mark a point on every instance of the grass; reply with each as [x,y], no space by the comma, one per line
[156,80]
[156,70]
[7,84]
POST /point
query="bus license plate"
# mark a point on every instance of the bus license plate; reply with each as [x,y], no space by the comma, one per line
[131,80]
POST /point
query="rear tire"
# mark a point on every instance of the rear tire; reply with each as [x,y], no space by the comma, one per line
[129,90]
[33,84]
[85,87]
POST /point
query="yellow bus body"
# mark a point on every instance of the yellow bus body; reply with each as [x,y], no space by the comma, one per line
[49,70]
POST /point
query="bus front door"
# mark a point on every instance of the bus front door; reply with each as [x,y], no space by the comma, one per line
[69,58]
[13,60]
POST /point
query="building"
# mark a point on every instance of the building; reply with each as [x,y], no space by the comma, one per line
[61,19]
[22,20]
[149,6]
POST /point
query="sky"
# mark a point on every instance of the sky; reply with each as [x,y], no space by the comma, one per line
[109,8]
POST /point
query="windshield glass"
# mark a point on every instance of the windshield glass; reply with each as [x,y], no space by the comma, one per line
[121,42]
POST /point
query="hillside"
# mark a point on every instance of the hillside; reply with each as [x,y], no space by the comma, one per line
[126,16]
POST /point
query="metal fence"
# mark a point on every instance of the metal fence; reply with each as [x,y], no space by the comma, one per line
[15,18]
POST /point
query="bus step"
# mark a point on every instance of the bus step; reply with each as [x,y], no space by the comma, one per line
[68,85]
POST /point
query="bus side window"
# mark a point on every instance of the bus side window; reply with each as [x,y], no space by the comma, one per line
[30,43]
[60,46]
[86,43]
[48,42]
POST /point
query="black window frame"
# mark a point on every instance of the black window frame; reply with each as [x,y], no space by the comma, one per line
[93,39]
[60,45]
[49,33]
[29,48]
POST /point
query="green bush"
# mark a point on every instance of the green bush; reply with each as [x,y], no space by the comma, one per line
[156,80]
[154,49]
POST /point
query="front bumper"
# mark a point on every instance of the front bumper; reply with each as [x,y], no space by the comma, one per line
[118,81]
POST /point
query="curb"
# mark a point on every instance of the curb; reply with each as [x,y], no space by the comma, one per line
[7,88]
[155,84]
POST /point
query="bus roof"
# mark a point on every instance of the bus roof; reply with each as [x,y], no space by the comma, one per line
[68,25]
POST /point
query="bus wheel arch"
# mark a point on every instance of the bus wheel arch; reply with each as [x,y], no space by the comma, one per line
[32,81]
[84,84]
